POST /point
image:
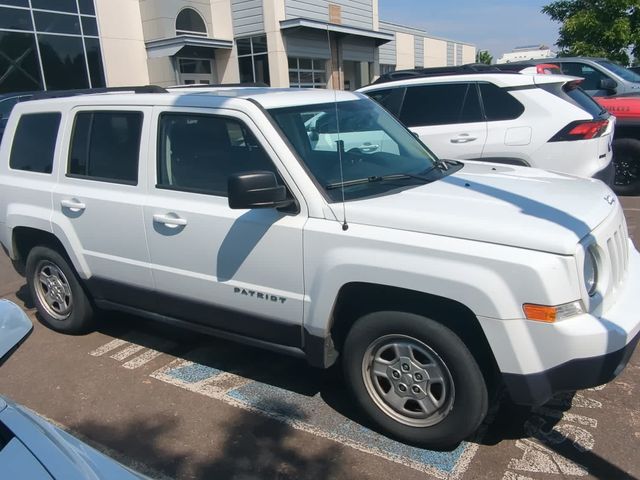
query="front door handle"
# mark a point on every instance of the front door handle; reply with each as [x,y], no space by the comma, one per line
[73,204]
[170,220]
[463,138]
[368,148]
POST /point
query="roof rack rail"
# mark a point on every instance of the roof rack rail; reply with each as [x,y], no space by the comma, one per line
[88,91]
[437,72]
[220,85]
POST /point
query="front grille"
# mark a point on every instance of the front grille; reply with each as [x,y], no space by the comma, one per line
[617,252]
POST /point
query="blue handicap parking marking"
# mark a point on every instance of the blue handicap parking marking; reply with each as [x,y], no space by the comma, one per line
[322,419]
[193,373]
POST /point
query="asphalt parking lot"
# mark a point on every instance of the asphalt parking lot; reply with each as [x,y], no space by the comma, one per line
[174,404]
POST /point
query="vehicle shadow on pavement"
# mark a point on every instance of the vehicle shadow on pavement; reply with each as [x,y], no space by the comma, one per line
[571,441]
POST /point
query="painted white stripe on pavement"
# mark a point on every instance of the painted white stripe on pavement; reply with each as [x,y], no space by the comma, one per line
[142,359]
[107,347]
[127,352]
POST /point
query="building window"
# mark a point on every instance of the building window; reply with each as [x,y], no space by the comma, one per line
[384,69]
[307,73]
[253,60]
[50,45]
[189,22]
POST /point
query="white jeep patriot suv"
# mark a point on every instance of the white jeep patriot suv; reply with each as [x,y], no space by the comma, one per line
[264,215]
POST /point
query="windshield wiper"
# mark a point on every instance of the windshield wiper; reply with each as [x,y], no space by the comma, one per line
[440,164]
[376,178]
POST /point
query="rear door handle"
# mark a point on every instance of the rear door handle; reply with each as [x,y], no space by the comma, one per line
[73,204]
[463,138]
[170,220]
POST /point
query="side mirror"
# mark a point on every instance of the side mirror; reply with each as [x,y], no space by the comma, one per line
[607,84]
[14,328]
[256,190]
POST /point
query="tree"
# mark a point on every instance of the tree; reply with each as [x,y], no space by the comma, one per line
[483,56]
[597,28]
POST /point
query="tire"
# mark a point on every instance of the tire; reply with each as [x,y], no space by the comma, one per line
[626,159]
[55,288]
[430,350]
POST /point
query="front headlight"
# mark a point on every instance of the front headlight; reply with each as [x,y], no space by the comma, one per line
[590,271]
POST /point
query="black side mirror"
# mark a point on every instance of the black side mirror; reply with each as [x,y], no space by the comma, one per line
[256,190]
[607,84]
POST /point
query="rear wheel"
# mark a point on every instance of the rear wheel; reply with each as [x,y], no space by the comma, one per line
[61,302]
[626,160]
[415,378]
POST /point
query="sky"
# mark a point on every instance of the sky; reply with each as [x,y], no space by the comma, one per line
[494,25]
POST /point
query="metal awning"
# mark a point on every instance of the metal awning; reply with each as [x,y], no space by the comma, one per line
[168,47]
[294,24]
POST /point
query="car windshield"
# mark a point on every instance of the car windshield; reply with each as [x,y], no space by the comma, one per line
[374,144]
[621,71]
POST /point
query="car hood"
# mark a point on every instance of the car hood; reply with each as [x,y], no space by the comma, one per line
[508,205]
[62,455]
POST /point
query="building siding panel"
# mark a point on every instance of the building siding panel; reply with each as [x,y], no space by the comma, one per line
[451,58]
[307,45]
[458,54]
[355,13]
[248,17]
[419,51]
[358,50]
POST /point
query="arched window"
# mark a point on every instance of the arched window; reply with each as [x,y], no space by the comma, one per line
[189,22]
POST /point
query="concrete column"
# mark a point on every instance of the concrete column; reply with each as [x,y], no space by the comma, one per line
[122,40]
[376,17]
[226,61]
[336,68]
[274,12]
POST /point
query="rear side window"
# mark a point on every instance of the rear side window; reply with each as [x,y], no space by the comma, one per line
[34,142]
[106,146]
[198,153]
[441,105]
[499,104]
[390,98]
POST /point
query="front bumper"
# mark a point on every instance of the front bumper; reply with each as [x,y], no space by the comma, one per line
[538,360]
[538,388]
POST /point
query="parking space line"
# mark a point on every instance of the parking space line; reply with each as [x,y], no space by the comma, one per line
[142,359]
[106,348]
[127,352]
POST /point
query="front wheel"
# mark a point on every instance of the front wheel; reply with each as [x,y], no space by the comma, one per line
[626,160]
[414,378]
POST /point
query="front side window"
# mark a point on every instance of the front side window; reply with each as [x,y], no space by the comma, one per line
[34,142]
[307,73]
[368,143]
[105,146]
[198,153]
[441,104]
[591,76]
[253,59]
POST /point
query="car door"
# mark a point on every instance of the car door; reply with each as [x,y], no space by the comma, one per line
[235,270]
[99,197]
[447,118]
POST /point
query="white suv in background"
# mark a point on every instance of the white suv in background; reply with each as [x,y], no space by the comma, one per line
[543,121]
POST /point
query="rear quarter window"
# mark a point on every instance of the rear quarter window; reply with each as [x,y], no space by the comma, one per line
[499,104]
[34,142]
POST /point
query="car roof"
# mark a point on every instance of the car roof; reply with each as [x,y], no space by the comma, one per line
[501,79]
[220,96]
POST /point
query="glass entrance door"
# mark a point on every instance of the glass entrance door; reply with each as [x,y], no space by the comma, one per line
[192,71]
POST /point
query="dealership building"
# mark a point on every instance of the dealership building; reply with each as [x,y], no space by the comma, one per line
[62,44]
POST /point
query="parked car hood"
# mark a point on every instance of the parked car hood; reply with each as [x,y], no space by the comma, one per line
[61,455]
[502,204]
